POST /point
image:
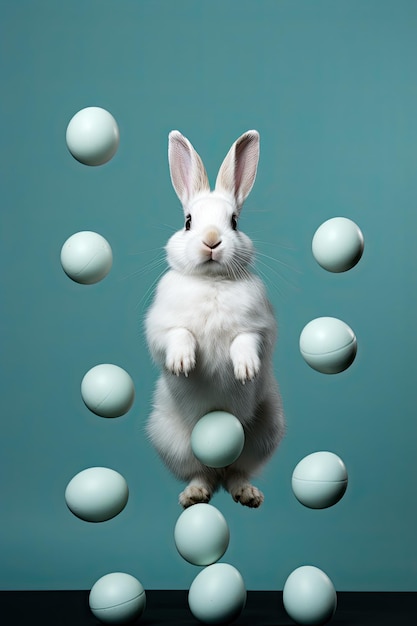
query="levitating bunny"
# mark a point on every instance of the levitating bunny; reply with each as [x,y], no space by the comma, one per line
[211,328]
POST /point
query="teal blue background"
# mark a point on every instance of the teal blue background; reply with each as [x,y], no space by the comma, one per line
[331,87]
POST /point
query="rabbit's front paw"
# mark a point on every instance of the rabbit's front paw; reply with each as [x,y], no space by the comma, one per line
[246,368]
[180,363]
[244,355]
[180,356]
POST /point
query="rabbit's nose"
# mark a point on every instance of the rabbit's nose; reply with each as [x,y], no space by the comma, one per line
[212,239]
[212,246]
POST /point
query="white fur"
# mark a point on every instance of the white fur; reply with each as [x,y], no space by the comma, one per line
[211,328]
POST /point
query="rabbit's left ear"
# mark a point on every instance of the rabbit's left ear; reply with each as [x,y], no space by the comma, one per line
[238,170]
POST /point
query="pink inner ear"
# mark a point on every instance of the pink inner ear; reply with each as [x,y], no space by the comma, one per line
[188,174]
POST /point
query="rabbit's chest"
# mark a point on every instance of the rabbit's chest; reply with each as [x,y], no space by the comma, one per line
[213,314]
[214,311]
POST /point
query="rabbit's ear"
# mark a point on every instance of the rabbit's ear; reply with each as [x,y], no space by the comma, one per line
[238,170]
[188,174]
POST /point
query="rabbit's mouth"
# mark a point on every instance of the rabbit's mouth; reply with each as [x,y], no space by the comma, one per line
[211,255]
[219,269]
[210,262]
[212,266]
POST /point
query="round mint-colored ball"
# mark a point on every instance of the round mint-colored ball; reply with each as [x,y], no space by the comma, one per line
[319,480]
[108,390]
[328,345]
[97,494]
[309,596]
[93,136]
[117,598]
[217,439]
[338,244]
[201,534]
[217,595]
[86,257]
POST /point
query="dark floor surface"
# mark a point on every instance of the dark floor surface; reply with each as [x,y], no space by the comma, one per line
[170,608]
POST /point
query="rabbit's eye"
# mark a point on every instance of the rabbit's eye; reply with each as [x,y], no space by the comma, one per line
[234,222]
[188,222]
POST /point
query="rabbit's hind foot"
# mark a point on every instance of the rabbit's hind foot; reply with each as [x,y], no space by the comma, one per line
[248,495]
[194,494]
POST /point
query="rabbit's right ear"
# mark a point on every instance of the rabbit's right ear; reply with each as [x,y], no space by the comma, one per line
[188,174]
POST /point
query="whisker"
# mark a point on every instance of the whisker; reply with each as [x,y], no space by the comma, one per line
[170,227]
[146,268]
[278,285]
[282,263]
[275,244]
[237,270]
[146,296]
[147,251]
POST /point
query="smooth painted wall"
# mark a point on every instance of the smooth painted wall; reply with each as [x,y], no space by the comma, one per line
[330,85]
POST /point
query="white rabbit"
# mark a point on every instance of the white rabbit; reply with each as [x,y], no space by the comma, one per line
[211,328]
